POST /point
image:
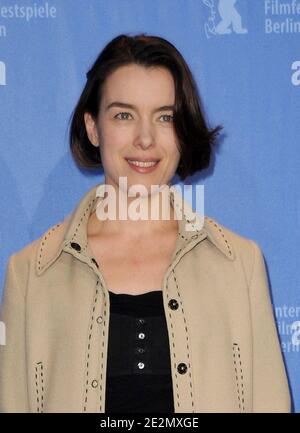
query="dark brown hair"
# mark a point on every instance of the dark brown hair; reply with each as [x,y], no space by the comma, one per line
[194,136]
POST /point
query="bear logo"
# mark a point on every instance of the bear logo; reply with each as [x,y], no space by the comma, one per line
[230,18]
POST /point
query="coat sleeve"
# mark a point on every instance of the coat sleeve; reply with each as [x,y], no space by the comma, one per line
[270,384]
[13,382]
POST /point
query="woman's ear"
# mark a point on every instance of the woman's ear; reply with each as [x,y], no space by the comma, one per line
[91,129]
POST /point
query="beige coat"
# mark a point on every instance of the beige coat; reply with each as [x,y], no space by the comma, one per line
[224,349]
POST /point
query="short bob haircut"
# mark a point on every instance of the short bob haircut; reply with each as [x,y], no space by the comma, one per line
[194,136]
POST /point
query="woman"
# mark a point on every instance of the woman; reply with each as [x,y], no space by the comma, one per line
[139,315]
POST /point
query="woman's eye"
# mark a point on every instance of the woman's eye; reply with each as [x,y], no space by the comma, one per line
[167,117]
[125,116]
[122,117]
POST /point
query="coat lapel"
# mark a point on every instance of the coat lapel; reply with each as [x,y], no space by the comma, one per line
[74,230]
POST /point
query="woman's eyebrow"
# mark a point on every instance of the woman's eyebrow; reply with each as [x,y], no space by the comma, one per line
[133,107]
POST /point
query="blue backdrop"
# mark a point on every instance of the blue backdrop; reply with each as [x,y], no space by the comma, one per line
[246,60]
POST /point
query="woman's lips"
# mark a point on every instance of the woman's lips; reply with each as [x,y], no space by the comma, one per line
[143,167]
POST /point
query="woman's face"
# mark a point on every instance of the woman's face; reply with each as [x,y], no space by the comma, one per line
[135,123]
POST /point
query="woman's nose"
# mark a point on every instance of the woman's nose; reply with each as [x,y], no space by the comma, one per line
[144,135]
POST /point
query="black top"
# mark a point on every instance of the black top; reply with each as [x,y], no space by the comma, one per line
[138,363]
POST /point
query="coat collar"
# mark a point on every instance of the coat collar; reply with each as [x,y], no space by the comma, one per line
[71,234]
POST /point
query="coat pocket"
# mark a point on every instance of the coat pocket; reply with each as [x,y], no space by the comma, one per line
[39,386]
[239,376]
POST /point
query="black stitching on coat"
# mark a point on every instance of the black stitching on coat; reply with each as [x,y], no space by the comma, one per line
[43,242]
[89,347]
[187,343]
[239,376]
[39,384]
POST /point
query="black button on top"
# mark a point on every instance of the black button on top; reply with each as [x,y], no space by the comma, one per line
[141,321]
[76,246]
[173,304]
[182,368]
